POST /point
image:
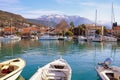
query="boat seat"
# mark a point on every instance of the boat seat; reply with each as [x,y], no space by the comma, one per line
[7,69]
[52,69]
[56,73]
[111,76]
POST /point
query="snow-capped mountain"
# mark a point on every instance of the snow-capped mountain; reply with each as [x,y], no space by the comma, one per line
[55,18]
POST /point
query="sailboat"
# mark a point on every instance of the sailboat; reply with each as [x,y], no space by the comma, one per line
[11,69]
[111,38]
[11,37]
[96,38]
[56,70]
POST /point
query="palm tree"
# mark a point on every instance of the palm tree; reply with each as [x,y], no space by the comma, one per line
[72,27]
[83,27]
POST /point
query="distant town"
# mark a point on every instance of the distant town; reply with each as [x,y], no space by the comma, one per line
[26,30]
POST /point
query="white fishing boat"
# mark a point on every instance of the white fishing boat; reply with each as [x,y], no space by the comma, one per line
[64,38]
[107,72]
[11,37]
[11,69]
[34,37]
[48,37]
[82,38]
[56,70]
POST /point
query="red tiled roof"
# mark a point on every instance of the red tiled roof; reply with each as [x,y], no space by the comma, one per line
[29,29]
[116,28]
[9,29]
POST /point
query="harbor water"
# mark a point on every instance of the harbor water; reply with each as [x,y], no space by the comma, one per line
[82,56]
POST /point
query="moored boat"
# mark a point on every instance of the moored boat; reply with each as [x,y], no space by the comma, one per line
[107,72]
[82,38]
[56,70]
[109,39]
[11,37]
[11,69]
[48,37]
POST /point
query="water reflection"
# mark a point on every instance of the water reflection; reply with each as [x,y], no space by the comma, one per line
[14,48]
[82,56]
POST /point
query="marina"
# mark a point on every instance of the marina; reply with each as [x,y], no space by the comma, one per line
[59,40]
[82,56]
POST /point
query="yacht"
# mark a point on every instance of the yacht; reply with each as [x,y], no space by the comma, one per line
[97,39]
[11,69]
[109,39]
[56,70]
[107,72]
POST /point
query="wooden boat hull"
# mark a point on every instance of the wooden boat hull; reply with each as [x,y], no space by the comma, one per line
[17,65]
[49,73]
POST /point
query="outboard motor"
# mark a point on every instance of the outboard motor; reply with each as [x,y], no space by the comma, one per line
[108,61]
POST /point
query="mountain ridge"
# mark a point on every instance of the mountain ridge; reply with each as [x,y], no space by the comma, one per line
[8,19]
[56,18]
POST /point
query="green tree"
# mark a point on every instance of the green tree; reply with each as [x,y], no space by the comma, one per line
[105,31]
[81,29]
[72,27]
[98,32]
[68,33]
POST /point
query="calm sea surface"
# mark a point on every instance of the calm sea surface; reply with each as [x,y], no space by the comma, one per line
[82,56]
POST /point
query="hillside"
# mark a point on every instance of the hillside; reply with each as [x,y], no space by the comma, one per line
[7,19]
[46,23]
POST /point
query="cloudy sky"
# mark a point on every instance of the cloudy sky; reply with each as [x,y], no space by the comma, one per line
[83,8]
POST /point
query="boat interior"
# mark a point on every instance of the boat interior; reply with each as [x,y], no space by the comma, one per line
[7,68]
[57,72]
[113,76]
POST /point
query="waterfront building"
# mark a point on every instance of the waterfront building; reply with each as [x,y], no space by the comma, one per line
[10,30]
[116,30]
[91,29]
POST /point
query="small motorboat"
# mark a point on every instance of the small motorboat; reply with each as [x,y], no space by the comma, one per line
[11,69]
[107,72]
[56,70]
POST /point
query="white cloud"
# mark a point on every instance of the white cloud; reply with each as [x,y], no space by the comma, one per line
[88,3]
[64,1]
[10,6]
[8,1]
[103,9]
[60,1]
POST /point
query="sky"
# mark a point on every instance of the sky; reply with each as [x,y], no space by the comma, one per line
[83,8]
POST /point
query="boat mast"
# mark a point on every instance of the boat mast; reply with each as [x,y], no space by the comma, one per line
[11,27]
[112,16]
[10,37]
[95,17]
[95,21]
